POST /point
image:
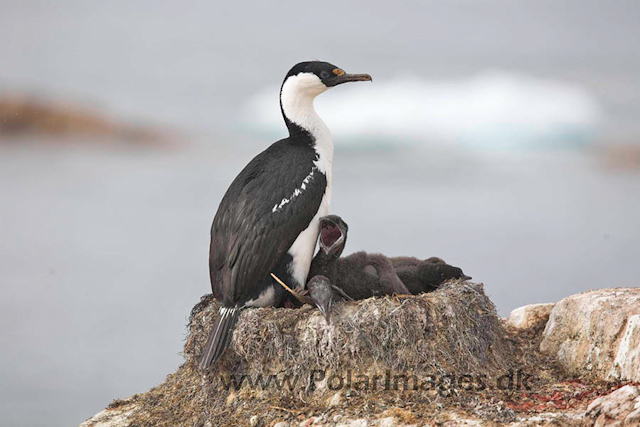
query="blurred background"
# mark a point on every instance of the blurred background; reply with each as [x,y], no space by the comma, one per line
[502,136]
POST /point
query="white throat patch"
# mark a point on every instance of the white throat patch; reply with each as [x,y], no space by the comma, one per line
[298,93]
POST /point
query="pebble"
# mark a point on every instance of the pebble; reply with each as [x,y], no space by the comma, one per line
[336,399]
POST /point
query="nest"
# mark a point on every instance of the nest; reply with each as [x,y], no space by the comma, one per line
[454,330]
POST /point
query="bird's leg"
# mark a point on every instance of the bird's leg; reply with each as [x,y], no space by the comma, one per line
[299,295]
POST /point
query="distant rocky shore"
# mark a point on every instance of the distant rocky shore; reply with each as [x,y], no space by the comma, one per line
[443,358]
[23,114]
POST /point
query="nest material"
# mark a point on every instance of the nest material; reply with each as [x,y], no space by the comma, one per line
[452,330]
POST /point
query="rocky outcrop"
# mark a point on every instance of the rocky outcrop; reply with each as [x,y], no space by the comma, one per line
[450,340]
[20,114]
[27,115]
[530,316]
[596,334]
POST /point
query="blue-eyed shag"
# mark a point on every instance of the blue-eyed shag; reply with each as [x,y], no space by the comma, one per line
[268,220]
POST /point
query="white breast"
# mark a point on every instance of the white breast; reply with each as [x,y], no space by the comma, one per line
[303,248]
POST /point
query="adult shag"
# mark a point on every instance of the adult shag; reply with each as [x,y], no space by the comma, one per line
[268,220]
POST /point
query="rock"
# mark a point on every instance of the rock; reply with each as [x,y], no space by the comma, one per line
[530,316]
[336,399]
[27,114]
[627,361]
[113,416]
[355,423]
[21,114]
[392,422]
[362,422]
[387,422]
[596,334]
[281,424]
[634,417]
[253,421]
[551,419]
[452,419]
[401,414]
[620,408]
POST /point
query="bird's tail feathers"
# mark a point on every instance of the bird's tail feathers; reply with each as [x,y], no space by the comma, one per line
[220,336]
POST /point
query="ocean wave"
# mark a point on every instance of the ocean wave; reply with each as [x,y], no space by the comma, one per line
[491,109]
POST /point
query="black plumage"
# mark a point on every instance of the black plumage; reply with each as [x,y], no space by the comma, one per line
[426,275]
[247,237]
[364,275]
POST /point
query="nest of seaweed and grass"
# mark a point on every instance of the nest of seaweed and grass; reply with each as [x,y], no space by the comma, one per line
[452,330]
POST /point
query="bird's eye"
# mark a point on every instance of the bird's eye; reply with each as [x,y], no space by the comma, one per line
[324,74]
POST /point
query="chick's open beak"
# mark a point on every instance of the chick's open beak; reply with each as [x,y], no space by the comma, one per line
[331,236]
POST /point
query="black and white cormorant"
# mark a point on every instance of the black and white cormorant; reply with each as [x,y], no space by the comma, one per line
[268,220]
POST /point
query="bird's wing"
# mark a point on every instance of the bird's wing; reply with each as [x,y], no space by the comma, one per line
[260,217]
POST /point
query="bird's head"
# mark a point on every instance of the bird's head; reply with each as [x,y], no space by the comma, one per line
[314,77]
[321,294]
[307,80]
[333,235]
